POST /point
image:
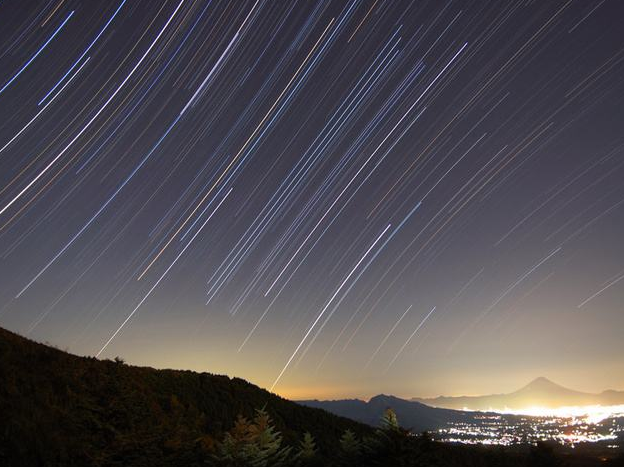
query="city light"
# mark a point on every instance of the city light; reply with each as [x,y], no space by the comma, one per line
[565,425]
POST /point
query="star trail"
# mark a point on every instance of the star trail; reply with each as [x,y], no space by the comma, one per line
[326,198]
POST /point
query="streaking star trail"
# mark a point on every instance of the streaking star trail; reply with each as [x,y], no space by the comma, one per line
[329,198]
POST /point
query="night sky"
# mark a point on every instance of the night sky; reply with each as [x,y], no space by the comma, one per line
[328,199]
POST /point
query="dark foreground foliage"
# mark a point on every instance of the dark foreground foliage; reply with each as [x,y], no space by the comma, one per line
[256,443]
[57,409]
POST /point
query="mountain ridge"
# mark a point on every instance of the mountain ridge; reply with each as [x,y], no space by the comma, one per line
[540,392]
[435,413]
[61,409]
[412,415]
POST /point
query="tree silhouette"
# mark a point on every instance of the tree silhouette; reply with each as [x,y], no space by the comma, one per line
[253,444]
[307,454]
[389,421]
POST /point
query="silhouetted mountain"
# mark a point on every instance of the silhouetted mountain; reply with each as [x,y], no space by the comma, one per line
[58,409]
[539,392]
[411,414]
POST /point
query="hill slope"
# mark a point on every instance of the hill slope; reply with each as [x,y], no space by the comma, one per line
[539,392]
[61,409]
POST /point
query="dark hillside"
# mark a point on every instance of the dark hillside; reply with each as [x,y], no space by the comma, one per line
[60,409]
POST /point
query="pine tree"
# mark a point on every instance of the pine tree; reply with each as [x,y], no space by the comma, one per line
[255,444]
[349,444]
[350,449]
[307,449]
[307,455]
[389,420]
[391,444]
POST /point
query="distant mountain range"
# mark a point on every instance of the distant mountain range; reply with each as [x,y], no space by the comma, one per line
[432,414]
[411,414]
[540,392]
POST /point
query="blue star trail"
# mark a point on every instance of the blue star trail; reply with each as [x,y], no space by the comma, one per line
[334,194]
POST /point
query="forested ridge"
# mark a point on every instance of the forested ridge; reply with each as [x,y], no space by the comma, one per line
[56,407]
